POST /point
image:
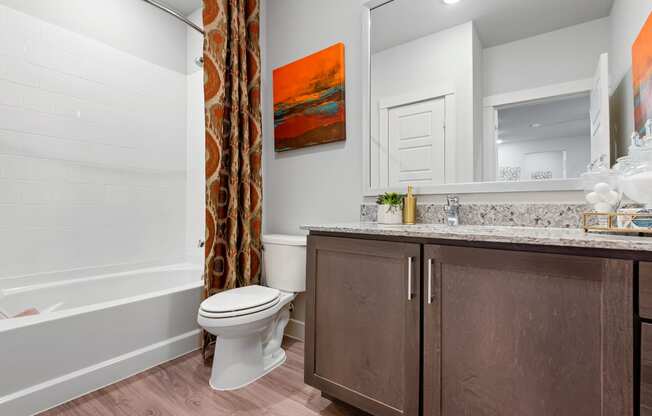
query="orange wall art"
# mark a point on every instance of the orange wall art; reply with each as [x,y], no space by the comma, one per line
[309,100]
[642,75]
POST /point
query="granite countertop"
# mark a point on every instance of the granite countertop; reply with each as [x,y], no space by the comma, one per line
[566,237]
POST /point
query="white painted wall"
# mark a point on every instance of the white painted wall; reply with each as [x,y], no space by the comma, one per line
[434,61]
[322,183]
[196,156]
[626,21]
[564,55]
[92,150]
[132,26]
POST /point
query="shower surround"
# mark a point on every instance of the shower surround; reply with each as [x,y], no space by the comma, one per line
[92,152]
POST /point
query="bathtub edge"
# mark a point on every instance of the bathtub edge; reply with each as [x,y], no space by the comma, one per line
[86,380]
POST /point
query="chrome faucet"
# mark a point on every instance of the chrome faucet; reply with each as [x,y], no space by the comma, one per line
[452,209]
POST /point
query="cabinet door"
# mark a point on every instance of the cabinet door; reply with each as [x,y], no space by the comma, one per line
[646,370]
[645,290]
[362,323]
[645,311]
[432,332]
[518,333]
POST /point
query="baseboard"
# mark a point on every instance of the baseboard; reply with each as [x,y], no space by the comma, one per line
[54,392]
[296,330]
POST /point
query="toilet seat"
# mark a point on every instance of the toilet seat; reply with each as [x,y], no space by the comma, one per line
[235,314]
[239,302]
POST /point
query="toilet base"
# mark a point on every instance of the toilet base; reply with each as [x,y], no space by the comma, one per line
[269,365]
[241,360]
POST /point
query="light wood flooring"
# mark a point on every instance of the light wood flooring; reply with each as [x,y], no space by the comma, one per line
[180,388]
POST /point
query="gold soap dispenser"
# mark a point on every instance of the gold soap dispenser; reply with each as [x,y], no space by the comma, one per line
[410,207]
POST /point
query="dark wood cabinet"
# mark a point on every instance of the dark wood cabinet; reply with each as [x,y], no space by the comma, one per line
[362,323]
[416,327]
[432,331]
[645,313]
[646,370]
[518,333]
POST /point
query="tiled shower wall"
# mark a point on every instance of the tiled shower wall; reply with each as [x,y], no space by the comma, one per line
[92,153]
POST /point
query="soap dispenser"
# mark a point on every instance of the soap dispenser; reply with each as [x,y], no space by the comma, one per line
[410,207]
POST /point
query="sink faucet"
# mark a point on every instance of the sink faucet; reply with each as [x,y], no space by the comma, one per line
[452,209]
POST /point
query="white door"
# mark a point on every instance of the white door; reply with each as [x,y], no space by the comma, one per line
[417,143]
[600,125]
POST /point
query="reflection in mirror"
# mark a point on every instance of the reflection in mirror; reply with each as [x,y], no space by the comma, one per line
[490,91]
[548,139]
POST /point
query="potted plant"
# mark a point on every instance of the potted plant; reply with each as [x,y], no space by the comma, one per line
[390,208]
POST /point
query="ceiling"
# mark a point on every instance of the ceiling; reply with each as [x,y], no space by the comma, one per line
[497,21]
[184,6]
[562,117]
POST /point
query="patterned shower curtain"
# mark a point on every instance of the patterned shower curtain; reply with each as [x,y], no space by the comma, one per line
[233,147]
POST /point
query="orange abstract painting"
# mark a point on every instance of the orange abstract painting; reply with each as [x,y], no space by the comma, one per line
[642,75]
[309,100]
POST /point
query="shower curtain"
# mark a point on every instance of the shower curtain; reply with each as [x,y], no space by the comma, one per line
[233,147]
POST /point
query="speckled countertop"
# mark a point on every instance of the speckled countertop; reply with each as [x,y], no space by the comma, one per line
[565,237]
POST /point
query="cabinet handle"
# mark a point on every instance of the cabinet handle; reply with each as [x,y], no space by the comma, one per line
[409,282]
[429,281]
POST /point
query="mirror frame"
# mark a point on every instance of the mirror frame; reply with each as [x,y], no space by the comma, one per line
[572,184]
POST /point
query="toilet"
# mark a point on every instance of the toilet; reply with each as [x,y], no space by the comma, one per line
[249,321]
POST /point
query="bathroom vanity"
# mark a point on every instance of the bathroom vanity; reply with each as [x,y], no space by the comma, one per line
[435,320]
[431,320]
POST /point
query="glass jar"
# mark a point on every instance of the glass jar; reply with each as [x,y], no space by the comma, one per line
[636,181]
[622,164]
[601,189]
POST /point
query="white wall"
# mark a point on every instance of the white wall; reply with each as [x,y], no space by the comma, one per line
[92,151]
[434,61]
[564,55]
[196,158]
[322,183]
[132,26]
[626,21]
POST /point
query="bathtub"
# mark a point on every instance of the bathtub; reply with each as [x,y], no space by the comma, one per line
[92,331]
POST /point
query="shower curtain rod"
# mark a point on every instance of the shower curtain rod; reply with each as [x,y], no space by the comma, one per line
[175,13]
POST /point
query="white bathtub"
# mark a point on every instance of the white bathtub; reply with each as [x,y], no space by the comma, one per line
[92,331]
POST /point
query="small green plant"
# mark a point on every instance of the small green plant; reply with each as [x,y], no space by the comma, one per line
[392,199]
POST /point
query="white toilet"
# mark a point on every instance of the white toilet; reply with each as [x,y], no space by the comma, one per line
[249,321]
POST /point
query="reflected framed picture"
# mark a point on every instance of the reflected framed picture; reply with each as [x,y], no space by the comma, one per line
[309,106]
[642,76]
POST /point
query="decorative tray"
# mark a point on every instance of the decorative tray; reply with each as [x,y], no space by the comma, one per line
[617,223]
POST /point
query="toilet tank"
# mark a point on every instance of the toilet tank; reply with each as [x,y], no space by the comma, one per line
[284,260]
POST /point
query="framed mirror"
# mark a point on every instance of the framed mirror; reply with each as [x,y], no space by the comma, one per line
[464,96]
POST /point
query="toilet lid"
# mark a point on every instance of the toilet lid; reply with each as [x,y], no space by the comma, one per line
[241,299]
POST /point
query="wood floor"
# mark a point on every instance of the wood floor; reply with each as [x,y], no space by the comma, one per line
[180,388]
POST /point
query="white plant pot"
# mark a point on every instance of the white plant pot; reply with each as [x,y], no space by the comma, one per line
[388,214]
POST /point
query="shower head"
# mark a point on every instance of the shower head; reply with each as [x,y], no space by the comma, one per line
[199,61]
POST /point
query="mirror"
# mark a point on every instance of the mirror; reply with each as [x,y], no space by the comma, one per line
[497,95]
